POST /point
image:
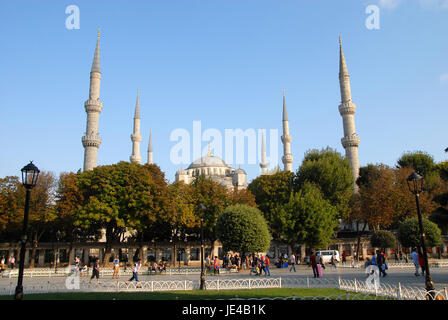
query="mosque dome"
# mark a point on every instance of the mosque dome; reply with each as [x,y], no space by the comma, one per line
[208,161]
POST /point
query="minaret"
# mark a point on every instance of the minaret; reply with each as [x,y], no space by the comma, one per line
[136,137]
[91,141]
[150,148]
[347,109]
[286,139]
[263,164]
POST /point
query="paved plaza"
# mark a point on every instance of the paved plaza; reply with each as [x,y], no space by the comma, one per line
[405,276]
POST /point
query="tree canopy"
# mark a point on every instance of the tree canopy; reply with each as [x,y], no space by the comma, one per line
[242,228]
[409,233]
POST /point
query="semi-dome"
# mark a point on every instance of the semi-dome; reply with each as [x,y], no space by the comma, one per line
[208,161]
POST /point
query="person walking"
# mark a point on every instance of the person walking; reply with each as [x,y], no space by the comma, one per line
[96,271]
[216,266]
[333,261]
[293,262]
[313,262]
[135,271]
[12,262]
[421,261]
[344,258]
[414,257]
[381,263]
[116,267]
[266,266]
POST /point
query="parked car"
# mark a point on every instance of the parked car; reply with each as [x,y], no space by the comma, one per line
[326,255]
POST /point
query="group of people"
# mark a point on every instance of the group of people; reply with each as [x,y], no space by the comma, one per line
[11,262]
[260,264]
[378,260]
[418,260]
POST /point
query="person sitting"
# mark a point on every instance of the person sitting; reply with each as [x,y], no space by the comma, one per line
[153,267]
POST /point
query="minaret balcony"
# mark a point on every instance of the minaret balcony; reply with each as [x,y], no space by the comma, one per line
[136,137]
[287,158]
[348,107]
[286,138]
[93,106]
[350,141]
[91,141]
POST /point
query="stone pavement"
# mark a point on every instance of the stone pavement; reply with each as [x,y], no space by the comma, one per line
[403,275]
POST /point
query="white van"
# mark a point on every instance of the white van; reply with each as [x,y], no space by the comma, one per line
[326,255]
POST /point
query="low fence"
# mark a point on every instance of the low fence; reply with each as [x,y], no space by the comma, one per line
[49,273]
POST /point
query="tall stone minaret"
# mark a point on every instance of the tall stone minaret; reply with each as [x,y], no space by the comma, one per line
[136,137]
[150,148]
[286,139]
[263,164]
[91,141]
[347,109]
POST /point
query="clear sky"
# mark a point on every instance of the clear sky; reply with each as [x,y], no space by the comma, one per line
[224,63]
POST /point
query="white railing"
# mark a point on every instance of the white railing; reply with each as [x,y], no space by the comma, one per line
[243,283]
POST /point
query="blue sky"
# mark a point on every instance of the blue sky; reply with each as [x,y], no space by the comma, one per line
[224,63]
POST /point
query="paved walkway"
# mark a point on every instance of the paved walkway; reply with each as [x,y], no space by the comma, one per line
[403,275]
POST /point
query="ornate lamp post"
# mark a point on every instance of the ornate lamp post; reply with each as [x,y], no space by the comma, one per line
[415,184]
[30,174]
[202,208]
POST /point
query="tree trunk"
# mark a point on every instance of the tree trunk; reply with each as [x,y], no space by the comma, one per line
[359,240]
[69,252]
[33,251]
[107,253]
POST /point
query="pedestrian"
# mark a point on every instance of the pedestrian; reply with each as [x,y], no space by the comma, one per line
[333,261]
[2,264]
[266,266]
[421,261]
[313,262]
[207,263]
[96,271]
[381,263]
[135,271]
[321,261]
[116,267]
[414,257]
[344,258]
[12,262]
[293,263]
[216,266]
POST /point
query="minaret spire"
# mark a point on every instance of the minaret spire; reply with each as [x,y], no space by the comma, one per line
[136,137]
[263,164]
[347,109]
[93,106]
[286,139]
[150,161]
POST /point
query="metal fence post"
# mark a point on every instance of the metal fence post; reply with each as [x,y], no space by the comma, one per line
[399,291]
[280,282]
[446,293]
[307,282]
[356,286]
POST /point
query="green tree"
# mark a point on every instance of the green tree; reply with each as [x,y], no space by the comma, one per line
[420,161]
[272,192]
[242,228]
[331,172]
[409,233]
[215,197]
[121,197]
[308,218]
[383,239]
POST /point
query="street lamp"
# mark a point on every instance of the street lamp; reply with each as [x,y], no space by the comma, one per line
[202,208]
[30,174]
[415,184]
[58,237]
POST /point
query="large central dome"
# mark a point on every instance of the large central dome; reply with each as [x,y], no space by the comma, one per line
[208,161]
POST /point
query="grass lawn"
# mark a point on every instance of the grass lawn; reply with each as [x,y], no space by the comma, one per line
[184,295]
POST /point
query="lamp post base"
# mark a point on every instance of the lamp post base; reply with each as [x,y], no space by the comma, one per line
[202,285]
[429,284]
[18,295]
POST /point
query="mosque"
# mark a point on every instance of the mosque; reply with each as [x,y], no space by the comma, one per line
[210,165]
